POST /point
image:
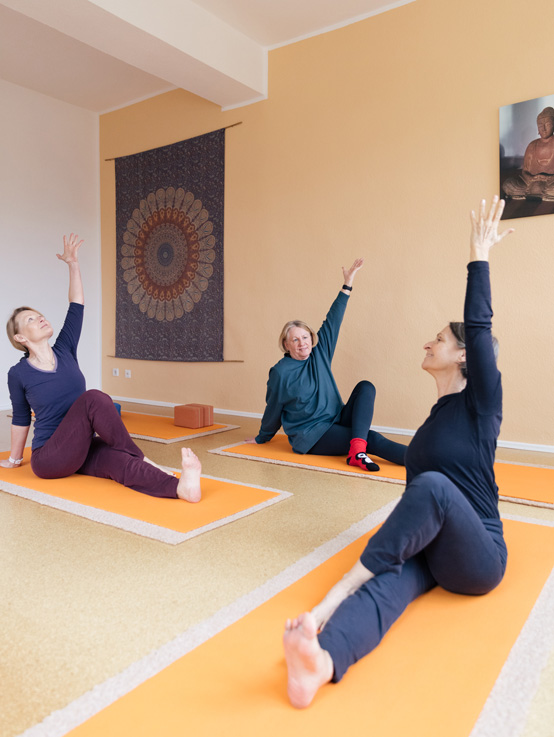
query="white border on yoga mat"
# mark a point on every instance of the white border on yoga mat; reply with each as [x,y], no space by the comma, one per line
[506,710]
[184,438]
[60,722]
[372,477]
[139,527]
[504,713]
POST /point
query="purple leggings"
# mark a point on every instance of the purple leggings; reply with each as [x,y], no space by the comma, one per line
[73,448]
[432,537]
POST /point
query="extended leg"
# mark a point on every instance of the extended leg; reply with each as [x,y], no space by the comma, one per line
[433,536]
[106,462]
[356,628]
[113,454]
[381,446]
[361,621]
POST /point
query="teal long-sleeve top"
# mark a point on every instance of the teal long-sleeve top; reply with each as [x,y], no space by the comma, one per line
[302,396]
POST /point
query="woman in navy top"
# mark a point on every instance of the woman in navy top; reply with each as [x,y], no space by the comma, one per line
[303,398]
[76,431]
[446,528]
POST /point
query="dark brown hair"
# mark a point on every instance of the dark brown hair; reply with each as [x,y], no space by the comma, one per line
[459,332]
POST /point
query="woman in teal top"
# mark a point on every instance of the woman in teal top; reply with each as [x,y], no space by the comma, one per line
[303,398]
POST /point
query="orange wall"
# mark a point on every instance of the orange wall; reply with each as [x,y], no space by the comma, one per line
[376,140]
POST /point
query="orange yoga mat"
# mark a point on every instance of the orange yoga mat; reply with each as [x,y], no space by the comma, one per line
[169,520]
[517,483]
[162,430]
[430,676]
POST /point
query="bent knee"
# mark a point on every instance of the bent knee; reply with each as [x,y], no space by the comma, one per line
[431,478]
[365,386]
[433,484]
[96,395]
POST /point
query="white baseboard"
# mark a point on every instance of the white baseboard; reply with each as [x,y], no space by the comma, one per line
[153,402]
[512,444]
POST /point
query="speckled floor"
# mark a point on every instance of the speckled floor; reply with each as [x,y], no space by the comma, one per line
[82,601]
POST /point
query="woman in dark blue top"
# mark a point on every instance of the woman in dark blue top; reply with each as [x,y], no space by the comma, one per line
[303,398]
[76,431]
[446,528]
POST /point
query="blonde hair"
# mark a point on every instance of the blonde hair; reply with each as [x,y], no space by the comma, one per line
[295,324]
[12,328]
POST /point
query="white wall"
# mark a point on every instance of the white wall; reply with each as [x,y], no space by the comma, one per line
[49,185]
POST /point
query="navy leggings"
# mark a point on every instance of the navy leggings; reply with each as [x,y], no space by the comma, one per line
[432,537]
[355,422]
[73,448]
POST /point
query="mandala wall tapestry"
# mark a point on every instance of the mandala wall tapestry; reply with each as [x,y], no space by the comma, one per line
[169,229]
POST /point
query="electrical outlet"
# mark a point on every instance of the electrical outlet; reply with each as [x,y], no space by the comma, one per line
[127,373]
[115,372]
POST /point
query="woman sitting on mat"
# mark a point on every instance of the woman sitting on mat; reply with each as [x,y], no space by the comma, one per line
[303,397]
[77,431]
[446,529]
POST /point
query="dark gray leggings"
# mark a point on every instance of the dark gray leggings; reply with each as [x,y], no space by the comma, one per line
[355,422]
[432,537]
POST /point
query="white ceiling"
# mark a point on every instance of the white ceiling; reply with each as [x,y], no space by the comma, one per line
[105,54]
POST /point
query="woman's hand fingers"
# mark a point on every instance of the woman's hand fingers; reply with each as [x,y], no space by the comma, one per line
[71,246]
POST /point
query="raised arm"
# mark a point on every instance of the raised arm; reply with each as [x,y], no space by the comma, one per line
[484,230]
[328,333]
[71,247]
[349,274]
[483,375]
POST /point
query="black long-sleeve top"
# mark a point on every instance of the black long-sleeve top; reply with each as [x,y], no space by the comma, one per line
[459,436]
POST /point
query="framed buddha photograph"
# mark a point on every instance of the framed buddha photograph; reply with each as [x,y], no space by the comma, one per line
[526,132]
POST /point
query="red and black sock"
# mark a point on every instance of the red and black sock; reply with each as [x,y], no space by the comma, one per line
[357,455]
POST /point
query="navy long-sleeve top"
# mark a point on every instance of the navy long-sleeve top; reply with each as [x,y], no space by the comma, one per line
[302,396]
[49,394]
[459,437]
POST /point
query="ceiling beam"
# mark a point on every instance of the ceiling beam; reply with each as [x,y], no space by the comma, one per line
[175,40]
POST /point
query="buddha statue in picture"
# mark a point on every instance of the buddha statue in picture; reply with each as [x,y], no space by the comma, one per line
[536,179]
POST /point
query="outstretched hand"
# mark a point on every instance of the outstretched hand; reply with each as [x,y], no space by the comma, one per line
[349,274]
[484,229]
[71,246]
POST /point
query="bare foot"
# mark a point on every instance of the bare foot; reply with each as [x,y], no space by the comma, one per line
[188,487]
[309,666]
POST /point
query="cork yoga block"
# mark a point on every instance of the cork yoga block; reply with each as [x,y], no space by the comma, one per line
[193,415]
[207,413]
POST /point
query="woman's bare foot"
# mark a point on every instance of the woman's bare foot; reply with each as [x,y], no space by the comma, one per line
[188,487]
[309,666]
